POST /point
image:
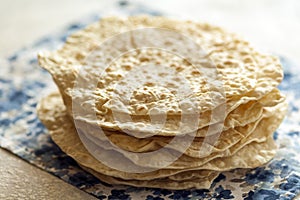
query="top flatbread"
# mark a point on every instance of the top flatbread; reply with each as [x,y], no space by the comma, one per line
[246,74]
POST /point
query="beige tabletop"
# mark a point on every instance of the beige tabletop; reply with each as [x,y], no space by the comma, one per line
[272,25]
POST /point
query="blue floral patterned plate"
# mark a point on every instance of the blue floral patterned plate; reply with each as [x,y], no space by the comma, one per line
[23,83]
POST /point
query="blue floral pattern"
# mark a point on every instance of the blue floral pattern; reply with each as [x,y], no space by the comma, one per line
[23,83]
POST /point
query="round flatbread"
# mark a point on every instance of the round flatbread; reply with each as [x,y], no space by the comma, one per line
[64,134]
[245,75]
[165,183]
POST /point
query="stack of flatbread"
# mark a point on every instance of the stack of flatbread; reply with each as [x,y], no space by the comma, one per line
[157,102]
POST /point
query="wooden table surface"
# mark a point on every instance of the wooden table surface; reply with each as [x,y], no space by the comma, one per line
[272,25]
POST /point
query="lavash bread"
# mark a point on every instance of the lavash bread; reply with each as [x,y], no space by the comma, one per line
[53,115]
[254,107]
